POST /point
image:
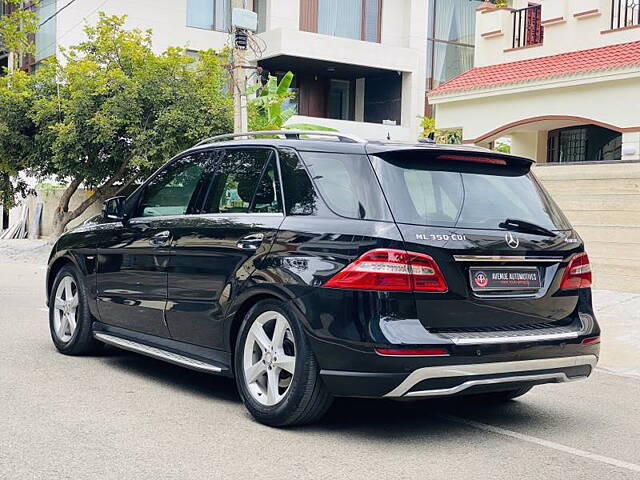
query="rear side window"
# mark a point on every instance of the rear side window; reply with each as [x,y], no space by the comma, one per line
[245,181]
[421,191]
[300,198]
[348,185]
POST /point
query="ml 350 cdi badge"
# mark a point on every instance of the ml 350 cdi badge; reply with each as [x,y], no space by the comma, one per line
[310,266]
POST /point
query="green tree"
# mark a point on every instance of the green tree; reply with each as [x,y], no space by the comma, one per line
[440,135]
[109,113]
[17,27]
[266,110]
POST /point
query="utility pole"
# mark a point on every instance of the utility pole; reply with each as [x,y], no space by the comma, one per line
[240,119]
[243,21]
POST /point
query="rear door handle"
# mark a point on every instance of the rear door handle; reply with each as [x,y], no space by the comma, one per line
[251,242]
[161,239]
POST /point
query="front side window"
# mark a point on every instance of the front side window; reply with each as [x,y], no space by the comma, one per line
[174,190]
[245,181]
[209,14]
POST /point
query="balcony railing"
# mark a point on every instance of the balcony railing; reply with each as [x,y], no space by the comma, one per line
[625,13]
[527,26]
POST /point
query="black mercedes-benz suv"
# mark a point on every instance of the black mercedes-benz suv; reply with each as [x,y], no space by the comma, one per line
[314,265]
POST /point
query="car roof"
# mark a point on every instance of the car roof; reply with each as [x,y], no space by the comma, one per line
[372,147]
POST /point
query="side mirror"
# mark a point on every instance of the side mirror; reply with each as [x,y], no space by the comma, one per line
[113,209]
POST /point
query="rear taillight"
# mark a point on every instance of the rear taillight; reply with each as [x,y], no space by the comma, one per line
[577,274]
[590,341]
[388,269]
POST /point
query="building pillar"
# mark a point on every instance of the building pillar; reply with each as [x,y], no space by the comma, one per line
[531,145]
[631,146]
[360,86]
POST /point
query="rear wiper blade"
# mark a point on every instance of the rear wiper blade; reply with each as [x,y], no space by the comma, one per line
[525,227]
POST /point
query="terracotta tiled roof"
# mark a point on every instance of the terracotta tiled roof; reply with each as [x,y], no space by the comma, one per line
[603,58]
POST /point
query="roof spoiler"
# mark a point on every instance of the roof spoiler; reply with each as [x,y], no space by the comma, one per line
[454,154]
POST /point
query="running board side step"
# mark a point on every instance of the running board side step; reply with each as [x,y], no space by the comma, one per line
[157,353]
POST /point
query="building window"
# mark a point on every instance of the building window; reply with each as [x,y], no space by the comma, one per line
[46,34]
[583,144]
[450,44]
[339,95]
[260,7]
[357,19]
[209,14]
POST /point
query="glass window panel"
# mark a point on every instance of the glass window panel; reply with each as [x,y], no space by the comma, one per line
[340,18]
[347,184]
[46,34]
[172,191]
[200,14]
[260,7]
[423,193]
[223,15]
[456,20]
[371,20]
[244,180]
[449,61]
[339,99]
[299,195]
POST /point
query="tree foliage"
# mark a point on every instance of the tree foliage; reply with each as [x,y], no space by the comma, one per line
[266,110]
[450,136]
[109,112]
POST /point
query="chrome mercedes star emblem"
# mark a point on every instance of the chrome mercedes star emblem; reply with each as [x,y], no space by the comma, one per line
[511,240]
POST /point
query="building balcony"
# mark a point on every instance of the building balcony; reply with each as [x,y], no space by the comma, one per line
[522,31]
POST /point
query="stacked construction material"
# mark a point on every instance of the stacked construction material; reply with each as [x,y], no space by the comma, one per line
[20,228]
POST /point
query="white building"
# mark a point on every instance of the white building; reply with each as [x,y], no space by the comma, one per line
[360,65]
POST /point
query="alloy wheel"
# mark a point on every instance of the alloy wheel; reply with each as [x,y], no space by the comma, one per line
[269,358]
[65,309]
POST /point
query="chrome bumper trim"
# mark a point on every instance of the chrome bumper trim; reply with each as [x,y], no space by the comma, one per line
[518,368]
[156,353]
[503,258]
[560,333]
[551,377]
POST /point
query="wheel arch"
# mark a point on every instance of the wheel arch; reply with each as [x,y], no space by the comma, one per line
[54,269]
[239,313]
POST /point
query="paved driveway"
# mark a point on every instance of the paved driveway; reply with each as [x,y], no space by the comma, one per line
[121,416]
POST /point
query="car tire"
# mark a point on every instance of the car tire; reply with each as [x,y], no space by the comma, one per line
[69,316]
[278,376]
[503,396]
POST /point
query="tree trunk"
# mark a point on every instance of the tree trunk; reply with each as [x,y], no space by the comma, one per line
[63,216]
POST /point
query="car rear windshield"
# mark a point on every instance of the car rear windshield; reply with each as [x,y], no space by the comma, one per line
[424,191]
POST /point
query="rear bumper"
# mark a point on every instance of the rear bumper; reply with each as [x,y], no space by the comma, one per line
[446,380]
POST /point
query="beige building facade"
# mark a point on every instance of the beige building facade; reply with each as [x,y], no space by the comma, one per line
[560,81]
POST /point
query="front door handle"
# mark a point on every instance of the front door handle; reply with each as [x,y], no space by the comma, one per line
[161,239]
[250,242]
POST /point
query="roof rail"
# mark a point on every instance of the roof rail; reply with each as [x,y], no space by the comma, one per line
[289,134]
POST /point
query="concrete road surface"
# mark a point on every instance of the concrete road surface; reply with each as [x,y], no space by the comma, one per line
[124,416]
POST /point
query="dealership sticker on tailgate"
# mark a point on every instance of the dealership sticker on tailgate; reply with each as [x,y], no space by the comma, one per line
[505,278]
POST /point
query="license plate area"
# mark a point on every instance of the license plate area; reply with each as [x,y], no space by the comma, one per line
[505,279]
